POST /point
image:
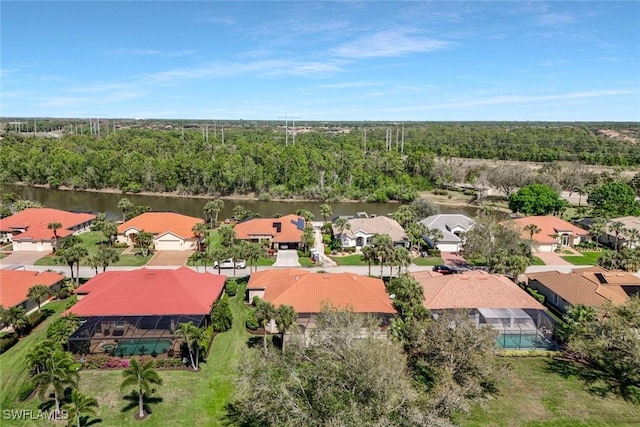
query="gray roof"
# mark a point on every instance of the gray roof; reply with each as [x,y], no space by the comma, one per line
[446,222]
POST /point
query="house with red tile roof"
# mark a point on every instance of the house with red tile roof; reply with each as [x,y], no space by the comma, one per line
[15,284]
[137,312]
[309,292]
[591,286]
[28,229]
[281,233]
[554,232]
[171,231]
[491,300]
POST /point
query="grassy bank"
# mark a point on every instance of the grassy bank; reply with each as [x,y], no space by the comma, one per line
[587,258]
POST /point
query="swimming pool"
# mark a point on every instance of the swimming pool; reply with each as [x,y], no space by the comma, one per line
[522,341]
[141,347]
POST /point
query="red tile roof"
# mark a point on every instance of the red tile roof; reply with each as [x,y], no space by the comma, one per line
[146,292]
[307,291]
[291,229]
[476,289]
[162,222]
[36,220]
[582,286]
[14,284]
[549,226]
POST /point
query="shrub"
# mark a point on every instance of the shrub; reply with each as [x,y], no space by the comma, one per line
[439,192]
[26,390]
[8,341]
[255,300]
[169,363]
[434,252]
[221,316]
[302,254]
[327,251]
[231,287]
[105,362]
[350,250]
[36,318]
[251,323]
[537,295]
[63,294]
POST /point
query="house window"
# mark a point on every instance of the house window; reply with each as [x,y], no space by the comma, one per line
[565,239]
[359,241]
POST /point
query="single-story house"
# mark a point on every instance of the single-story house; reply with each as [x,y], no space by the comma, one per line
[137,312]
[554,232]
[624,239]
[28,229]
[591,286]
[362,230]
[452,226]
[15,284]
[491,300]
[281,233]
[308,292]
[171,231]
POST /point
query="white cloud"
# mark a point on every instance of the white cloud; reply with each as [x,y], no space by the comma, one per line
[390,43]
[554,19]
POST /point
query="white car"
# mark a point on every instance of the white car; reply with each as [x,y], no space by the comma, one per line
[228,263]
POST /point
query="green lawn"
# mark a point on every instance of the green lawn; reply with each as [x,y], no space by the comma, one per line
[537,261]
[432,260]
[537,392]
[266,262]
[587,258]
[185,399]
[354,259]
[92,241]
[13,370]
[305,261]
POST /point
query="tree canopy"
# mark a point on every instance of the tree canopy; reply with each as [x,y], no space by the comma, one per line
[536,199]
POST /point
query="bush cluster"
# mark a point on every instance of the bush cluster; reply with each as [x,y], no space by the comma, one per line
[26,390]
[251,322]
[231,287]
[8,341]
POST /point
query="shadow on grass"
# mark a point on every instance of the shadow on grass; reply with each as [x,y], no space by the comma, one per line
[132,399]
[235,416]
[612,382]
[254,342]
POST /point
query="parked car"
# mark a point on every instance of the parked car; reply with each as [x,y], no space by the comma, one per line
[445,269]
[228,263]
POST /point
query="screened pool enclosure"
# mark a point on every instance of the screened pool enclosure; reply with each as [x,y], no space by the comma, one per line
[125,336]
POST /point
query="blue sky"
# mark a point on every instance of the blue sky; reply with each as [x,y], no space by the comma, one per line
[412,61]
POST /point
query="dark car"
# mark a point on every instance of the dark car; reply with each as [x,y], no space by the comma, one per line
[444,269]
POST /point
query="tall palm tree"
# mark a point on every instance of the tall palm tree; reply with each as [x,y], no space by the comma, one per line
[199,230]
[326,212]
[125,206]
[228,235]
[617,228]
[597,229]
[217,255]
[60,370]
[141,377]
[15,316]
[633,236]
[63,327]
[211,209]
[415,232]
[144,241]
[532,229]
[39,353]
[74,255]
[109,230]
[383,248]
[196,258]
[54,226]
[253,252]
[369,255]
[79,405]
[265,311]
[285,317]
[401,258]
[38,293]
[107,256]
[342,224]
[434,234]
[193,337]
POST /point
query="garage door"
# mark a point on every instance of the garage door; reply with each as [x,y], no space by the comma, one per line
[169,245]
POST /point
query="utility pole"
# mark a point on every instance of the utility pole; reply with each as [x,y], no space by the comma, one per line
[286,129]
[402,146]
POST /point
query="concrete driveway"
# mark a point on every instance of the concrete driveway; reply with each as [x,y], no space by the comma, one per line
[551,258]
[169,258]
[22,258]
[287,258]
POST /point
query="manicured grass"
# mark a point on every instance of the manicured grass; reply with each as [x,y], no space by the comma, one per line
[92,240]
[537,392]
[265,262]
[13,370]
[354,259]
[427,260]
[537,261]
[185,399]
[306,261]
[587,258]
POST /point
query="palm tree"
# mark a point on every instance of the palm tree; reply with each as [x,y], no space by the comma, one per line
[383,248]
[415,232]
[199,230]
[597,229]
[217,255]
[285,317]
[633,235]
[144,240]
[74,255]
[107,256]
[109,229]
[193,337]
[617,228]
[253,252]
[80,404]
[38,293]
[141,377]
[60,370]
[211,209]
[369,255]
[196,258]
[326,212]
[228,235]
[54,226]
[404,215]
[532,229]
[434,234]
[125,206]
[39,353]
[342,224]
[307,215]
[94,262]
[401,258]
[265,311]
[63,327]
[15,317]
[70,241]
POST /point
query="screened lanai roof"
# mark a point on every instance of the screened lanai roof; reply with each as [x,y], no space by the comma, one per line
[504,313]
[132,326]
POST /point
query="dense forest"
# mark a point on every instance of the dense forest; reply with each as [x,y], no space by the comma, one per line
[376,162]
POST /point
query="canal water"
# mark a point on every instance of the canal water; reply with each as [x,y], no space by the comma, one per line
[107,203]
